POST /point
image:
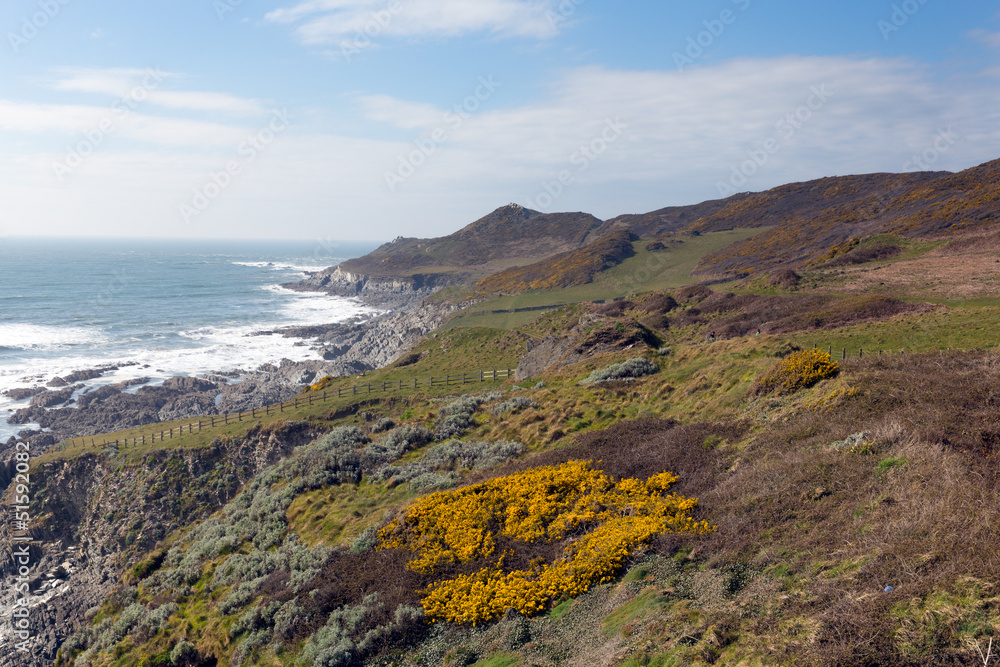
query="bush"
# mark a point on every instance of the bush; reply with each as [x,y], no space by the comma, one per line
[604,521]
[797,371]
[512,404]
[383,425]
[633,368]
[183,654]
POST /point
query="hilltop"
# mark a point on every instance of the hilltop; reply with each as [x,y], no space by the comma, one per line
[801,223]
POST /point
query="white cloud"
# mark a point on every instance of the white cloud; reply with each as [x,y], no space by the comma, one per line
[685,132]
[147,85]
[73,120]
[399,113]
[344,21]
[991,39]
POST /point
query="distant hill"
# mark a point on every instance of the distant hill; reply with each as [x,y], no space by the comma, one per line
[807,222]
[509,235]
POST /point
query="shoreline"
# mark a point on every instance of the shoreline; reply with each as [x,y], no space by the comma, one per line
[86,402]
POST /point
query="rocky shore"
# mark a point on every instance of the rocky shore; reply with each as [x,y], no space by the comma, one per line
[82,551]
[74,406]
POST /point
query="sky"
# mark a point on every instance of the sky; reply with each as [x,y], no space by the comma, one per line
[370,119]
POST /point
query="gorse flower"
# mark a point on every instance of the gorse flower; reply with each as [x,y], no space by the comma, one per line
[604,521]
[799,370]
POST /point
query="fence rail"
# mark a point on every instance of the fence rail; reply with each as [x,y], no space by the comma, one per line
[861,354]
[308,398]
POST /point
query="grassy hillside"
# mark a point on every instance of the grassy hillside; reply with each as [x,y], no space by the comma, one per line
[794,466]
[851,512]
[510,235]
[801,224]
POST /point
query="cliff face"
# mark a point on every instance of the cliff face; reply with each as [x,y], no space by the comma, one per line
[385,291]
[92,518]
[510,235]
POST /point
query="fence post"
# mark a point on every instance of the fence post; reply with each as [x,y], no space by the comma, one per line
[844,356]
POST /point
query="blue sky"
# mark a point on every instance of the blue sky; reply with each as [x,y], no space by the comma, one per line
[368,119]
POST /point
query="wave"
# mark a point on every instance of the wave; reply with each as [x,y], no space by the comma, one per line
[37,337]
[282,266]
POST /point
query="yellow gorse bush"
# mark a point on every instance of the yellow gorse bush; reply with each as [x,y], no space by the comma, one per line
[799,370]
[603,520]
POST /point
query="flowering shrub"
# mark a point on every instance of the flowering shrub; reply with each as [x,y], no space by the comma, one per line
[604,521]
[797,371]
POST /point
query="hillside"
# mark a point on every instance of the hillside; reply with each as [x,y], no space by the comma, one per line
[308,536]
[575,267]
[795,468]
[509,235]
[805,222]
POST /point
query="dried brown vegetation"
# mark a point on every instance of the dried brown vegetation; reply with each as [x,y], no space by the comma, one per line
[576,267]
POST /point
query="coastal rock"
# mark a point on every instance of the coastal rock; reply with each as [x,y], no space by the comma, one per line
[189,384]
[81,551]
[48,399]
[23,393]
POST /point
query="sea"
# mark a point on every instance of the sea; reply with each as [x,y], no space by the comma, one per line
[158,308]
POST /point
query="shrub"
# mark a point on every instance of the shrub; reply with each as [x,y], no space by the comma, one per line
[603,520]
[797,371]
[394,445]
[333,645]
[383,425]
[183,654]
[633,368]
[449,456]
[512,404]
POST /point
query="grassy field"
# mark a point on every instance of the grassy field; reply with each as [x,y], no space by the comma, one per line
[646,271]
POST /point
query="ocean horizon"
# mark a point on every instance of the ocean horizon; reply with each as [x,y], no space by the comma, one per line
[159,308]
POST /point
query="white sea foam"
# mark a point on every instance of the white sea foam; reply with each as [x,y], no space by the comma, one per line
[282,266]
[210,349]
[18,336]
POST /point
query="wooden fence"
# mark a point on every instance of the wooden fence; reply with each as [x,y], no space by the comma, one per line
[845,354]
[308,398]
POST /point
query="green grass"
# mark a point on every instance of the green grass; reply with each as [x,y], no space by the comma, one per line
[954,328]
[646,271]
[335,515]
[646,604]
[560,609]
